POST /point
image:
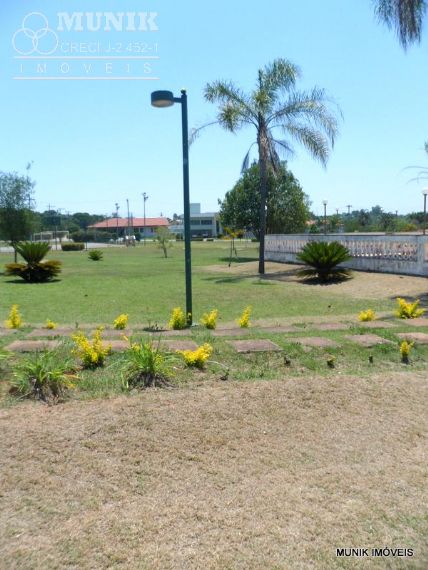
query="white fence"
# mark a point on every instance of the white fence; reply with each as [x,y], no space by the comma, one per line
[407,254]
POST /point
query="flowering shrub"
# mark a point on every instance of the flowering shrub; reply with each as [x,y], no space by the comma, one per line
[209,320]
[408,310]
[120,322]
[198,357]
[50,324]
[178,319]
[405,348]
[244,320]
[368,315]
[92,353]
[15,320]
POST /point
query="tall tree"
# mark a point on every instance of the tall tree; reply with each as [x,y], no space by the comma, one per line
[276,109]
[406,16]
[15,206]
[286,204]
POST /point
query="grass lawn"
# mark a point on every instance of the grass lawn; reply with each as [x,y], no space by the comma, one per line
[140,282]
[271,465]
[225,475]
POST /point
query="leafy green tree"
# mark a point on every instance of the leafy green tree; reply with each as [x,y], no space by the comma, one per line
[16,194]
[287,204]
[406,16]
[163,237]
[280,114]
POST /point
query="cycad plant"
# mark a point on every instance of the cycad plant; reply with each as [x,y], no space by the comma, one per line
[280,114]
[34,270]
[323,259]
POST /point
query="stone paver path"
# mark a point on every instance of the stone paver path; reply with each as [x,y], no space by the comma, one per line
[237,331]
[60,331]
[117,345]
[368,340]
[315,342]
[32,345]
[376,324]
[416,337]
[330,327]
[173,345]
[421,322]
[7,332]
[256,345]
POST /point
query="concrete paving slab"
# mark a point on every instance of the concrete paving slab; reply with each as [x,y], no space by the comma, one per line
[315,341]
[237,331]
[368,340]
[32,345]
[376,324]
[421,322]
[254,345]
[329,326]
[173,345]
[416,337]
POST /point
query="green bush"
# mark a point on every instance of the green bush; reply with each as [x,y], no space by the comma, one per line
[95,255]
[44,376]
[145,365]
[35,270]
[72,246]
[323,259]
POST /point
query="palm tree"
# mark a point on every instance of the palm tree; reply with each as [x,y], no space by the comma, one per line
[406,16]
[274,108]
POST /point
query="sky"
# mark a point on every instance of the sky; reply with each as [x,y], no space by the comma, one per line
[96,142]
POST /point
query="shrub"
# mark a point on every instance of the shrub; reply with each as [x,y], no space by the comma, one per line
[45,376]
[95,255]
[145,365]
[50,325]
[244,320]
[72,246]
[178,319]
[405,348]
[197,358]
[407,310]
[35,270]
[368,315]
[120,322]
[209,320]
[323,259]
[92,353]
[15,320]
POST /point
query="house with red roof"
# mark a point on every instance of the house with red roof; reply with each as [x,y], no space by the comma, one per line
[138,227]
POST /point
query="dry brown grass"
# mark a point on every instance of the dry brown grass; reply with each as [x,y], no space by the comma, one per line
[266,475]
[371,285]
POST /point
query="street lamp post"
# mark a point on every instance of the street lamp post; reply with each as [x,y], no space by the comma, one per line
[117,221]
[425,192]
[162,99]
[325,216]
[145,198]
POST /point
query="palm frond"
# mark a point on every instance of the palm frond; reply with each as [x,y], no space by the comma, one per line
[226,93]
[246,162]
[195,132]
[313,140]
[312,107]
[405,16]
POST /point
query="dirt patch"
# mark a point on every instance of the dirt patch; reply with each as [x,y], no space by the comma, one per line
[377,286]
[243,476]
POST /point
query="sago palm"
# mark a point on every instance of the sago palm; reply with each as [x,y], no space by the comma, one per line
[280,115]
[406,16]
[323,259]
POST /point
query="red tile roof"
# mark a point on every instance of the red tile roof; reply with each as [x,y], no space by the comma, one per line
[133,222]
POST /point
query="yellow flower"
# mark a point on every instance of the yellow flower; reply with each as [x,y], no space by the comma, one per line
[120,322]
[50,324]
[368,315]
[15,320]
[198,357]
[244,320]
[209,320]
[178,319]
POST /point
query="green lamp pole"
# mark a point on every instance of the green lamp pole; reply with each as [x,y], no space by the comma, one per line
[425,193]
[163,99]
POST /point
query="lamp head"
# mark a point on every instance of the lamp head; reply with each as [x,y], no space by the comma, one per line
[162,99]
[325,202]
[425,191]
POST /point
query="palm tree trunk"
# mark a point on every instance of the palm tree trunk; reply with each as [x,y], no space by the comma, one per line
[262,142]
